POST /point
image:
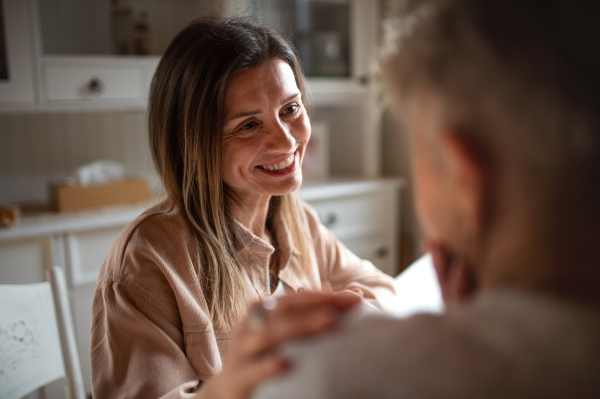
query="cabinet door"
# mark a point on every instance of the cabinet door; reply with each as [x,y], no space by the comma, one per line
[378,249]
[352,216]
[86,251]
[23,261]
[16,54]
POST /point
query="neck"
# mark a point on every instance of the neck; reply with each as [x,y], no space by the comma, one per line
[252,213]
[563,263]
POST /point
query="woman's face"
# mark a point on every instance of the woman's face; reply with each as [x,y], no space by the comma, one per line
[266,131]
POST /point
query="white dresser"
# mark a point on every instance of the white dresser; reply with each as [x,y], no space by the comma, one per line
[363,214]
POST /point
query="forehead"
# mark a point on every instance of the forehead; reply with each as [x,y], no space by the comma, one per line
[267,83]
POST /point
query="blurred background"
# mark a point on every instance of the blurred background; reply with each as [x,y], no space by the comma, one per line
[74,161]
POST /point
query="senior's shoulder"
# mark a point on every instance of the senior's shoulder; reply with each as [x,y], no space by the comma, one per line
[156,233]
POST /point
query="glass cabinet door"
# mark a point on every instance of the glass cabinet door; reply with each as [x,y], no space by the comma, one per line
[16,71]
[115,27]
[319,28]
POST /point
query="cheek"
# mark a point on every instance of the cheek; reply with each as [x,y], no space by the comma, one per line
[423,195]
[430,198]
[233,158]
[302,129]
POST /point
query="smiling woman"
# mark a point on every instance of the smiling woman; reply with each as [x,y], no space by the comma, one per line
[228,130]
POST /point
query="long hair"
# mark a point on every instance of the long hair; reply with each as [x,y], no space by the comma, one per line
[186,116]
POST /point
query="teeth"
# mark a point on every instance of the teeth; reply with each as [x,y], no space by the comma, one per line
[280,165]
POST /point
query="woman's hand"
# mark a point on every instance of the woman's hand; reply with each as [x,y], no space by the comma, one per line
[252,358]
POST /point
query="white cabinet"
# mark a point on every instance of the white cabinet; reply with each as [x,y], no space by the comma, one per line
[61,57]
[78,82]
[363,216]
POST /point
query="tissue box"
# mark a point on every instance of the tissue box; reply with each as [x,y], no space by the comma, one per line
[71,198]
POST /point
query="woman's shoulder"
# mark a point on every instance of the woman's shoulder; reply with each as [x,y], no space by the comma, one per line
[159,223]
[158,234]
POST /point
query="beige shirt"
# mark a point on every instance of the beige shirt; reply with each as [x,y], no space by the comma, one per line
[151,330]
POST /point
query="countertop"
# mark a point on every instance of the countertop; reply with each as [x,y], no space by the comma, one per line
[44,223]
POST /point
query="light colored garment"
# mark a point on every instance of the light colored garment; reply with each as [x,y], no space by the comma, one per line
[500,345]
[151,329]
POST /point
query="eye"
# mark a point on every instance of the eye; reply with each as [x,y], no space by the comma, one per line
[292,109]
[248,127]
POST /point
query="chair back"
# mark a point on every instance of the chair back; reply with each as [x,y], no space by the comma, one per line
[37,340]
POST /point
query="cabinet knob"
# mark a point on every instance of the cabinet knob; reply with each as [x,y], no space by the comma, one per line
[95,86]
[382,252]
[364,80]
[329,219]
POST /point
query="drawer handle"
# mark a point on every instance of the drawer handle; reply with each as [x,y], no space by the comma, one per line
[95,86]
[329,219]
[382,252]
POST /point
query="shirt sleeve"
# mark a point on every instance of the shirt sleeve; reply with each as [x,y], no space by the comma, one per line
[150,336]
[346,271]
[137,350]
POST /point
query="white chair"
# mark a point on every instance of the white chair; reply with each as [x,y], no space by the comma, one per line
[37,340]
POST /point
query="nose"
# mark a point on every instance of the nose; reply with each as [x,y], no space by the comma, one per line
[280,138]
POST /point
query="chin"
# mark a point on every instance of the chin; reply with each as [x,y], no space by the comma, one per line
[288,186]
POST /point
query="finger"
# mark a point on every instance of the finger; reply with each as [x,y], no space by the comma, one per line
[306,301]
[256,342]
[291,305]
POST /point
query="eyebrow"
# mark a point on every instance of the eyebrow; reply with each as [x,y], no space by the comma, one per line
[258,111]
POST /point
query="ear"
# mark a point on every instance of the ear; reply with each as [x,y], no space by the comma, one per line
[468,174]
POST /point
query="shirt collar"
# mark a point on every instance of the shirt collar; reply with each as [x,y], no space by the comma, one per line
[283,237]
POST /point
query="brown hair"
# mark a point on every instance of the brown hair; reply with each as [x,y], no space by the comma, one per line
[521,77]
[186,116]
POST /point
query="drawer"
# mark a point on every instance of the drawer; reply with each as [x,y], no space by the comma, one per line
[378,249]
[88,83]
[86,251]
[24,260]
[355,215]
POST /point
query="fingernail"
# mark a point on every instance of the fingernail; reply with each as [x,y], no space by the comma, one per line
[300,289]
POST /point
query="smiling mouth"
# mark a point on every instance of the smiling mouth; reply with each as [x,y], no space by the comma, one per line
[279,166]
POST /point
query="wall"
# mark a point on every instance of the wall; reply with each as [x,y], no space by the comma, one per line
[39,147]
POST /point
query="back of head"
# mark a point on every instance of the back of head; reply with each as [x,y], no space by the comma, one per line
[518,77]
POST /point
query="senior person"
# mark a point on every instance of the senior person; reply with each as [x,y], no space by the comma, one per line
[228,129]
[502,100]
